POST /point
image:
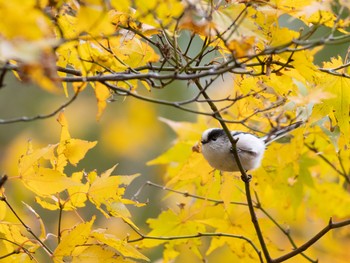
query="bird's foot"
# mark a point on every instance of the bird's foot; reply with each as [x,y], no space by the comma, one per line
[246,178]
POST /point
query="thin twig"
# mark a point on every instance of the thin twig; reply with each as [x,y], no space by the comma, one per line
[284,231]
[331,164]
[185,194]
[46,248]
[61,206]
[3,74]
[197,235]
[20,246]
[3,180]
[40,117]
[313,240]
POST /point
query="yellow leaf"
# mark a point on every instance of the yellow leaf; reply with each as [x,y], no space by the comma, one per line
[127,179]
[75,149]
[340,103]
[76,237]
[64,124]
[106,190]
[315,96]
[69,149]
[95,254]
[122,247]
[186,131]
[242,47]
[170,223]
[108,172]
[189,170]
[94,20]
[2,210]
[281,36]
[26,17]
[44,181]
[77,194]
[32,157]
[119,209]
[92,176]
[49,203]
[40,75]
[136,52]
[336,198]
[227,186]
[102,93]
[13,233]
[172,155]
[154,12]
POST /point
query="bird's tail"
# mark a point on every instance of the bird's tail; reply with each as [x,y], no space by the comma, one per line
[275,135]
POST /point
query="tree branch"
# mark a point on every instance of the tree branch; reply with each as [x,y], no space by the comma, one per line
[313,240]
[46,248]
[331,164]
[41,117]
[197,235]
[245,177]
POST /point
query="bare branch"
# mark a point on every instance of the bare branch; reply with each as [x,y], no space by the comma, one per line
[16,251]
[3,180]
[3,74]
[41,117]
[46,248]
[257,205]
[245,178]
[331,164]
[197,235]
[313,240]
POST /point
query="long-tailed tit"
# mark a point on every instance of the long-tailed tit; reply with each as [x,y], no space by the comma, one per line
[217,148]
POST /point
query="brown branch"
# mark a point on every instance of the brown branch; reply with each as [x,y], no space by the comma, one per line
[245,178]
[180,104]
[331,164]
[197,235]
[16,251]
[3,180]
[41,117]
[46,248]
[216,202]
[284,231]
[185,194]
[3,74]
[313,240]
[333,72]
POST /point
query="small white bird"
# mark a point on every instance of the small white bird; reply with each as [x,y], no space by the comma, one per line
[217,148]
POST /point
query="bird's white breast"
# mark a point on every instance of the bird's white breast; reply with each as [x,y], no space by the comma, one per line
[219,155]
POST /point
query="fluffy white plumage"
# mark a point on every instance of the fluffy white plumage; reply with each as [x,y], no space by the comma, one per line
[217,148]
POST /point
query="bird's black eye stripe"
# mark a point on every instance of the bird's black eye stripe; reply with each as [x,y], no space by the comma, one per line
[214,134]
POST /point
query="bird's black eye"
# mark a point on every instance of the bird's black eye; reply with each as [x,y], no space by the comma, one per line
[214,139]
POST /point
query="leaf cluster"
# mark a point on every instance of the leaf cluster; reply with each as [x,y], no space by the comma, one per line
[246,67]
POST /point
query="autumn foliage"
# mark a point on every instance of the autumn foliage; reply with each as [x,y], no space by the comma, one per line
[253,66]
